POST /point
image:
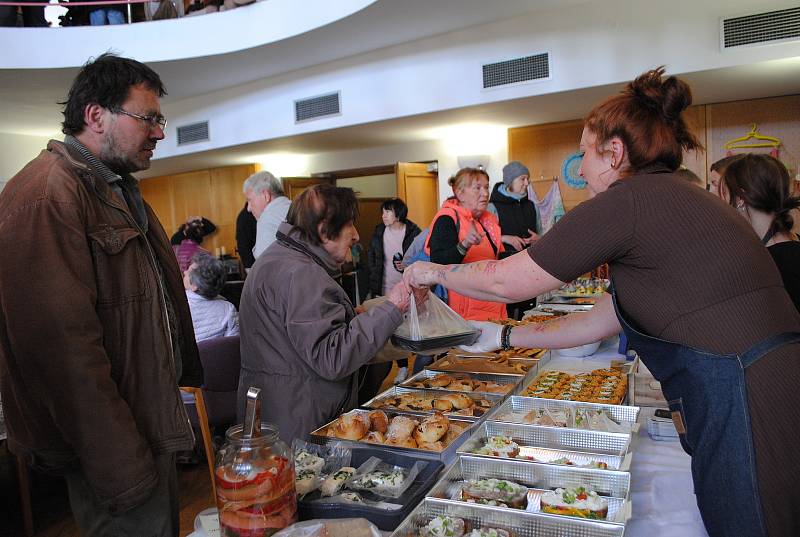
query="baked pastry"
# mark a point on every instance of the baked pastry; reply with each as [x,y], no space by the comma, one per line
[443,526]
[501,491]
[375,437]
[578,502]
[439,381]
[499,446]
[352,426]
[378,421]
[432,428]
[334,482]
[401,427]
[431,446]
[406,442]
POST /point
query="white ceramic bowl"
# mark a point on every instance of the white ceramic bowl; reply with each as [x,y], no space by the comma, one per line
[580,351]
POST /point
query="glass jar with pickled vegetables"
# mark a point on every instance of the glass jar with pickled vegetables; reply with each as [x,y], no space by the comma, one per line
[255,483]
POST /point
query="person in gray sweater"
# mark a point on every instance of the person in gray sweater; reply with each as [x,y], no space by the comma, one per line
[302,342]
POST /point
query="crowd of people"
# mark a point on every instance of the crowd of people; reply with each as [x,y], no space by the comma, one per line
[101,315]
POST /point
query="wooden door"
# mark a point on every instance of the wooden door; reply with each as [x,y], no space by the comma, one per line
[294,186]
[419,188]
[369,216]
[227,200]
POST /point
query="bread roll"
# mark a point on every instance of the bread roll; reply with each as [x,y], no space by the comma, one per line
[352,426]
[375,437]
[400,428]
[378,421]
[458,400]
[442,404]
[440,381]
[403,442]
[432,428]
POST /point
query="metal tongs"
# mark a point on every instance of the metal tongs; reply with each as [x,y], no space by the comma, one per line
[252,414]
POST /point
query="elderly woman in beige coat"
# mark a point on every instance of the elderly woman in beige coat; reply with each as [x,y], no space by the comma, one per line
[301,340]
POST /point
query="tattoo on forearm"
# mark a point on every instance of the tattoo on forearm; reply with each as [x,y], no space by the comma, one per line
[490,268]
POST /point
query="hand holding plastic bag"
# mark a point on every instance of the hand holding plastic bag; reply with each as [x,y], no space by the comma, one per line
[432,327]
[489,339]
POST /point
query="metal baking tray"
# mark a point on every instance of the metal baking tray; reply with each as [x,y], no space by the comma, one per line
[435,343]
[517,523]
[446,455]
[540,475]
[512,381]
[535,449]
[396,391]
[519,404]
[530,380]
[472,364]
[539,478]
[557,437]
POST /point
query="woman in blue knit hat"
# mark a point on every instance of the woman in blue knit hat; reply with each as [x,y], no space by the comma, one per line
[517,214]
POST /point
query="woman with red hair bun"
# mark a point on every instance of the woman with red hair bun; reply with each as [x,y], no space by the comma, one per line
[696,293]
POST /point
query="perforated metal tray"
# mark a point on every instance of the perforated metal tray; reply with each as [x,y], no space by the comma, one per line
[557,437]
[534,445]
[539,478]
[518,404]
[396,391]
[517,523]
[446,455]
[513,381]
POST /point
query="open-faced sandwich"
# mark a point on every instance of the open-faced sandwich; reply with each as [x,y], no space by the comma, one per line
[578,502]
[499,446]
[495,492]
[443,526]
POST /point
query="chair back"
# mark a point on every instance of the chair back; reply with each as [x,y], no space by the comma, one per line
[221,365]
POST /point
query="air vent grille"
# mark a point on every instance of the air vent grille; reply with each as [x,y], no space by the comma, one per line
[783,25]
[536,67]
[317,107]
[196,132]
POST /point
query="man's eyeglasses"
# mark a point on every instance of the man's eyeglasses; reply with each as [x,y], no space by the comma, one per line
[152,121]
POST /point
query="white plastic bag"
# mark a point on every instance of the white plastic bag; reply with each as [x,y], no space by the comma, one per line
[432,327]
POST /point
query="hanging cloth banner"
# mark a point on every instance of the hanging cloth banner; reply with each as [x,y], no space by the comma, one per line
[550,207]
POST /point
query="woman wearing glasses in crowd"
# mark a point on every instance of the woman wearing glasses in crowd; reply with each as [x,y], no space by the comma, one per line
[463,231]
[696,293]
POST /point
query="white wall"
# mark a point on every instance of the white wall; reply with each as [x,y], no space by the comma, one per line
[590,44]
[16,151]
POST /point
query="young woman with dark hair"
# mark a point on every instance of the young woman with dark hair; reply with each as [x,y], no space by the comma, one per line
[760,188]
[389,243]
[697,295]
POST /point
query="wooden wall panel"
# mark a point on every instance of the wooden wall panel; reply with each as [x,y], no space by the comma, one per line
[695,117]
[215,194]
[543,148]
[776,116]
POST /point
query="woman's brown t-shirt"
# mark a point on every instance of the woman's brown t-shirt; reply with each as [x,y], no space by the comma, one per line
[686,267]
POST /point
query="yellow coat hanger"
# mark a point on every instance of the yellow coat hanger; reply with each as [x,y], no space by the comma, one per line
[765,141]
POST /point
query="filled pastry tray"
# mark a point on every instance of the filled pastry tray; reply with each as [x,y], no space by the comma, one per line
[463,382]
[511,524]
[603,386]
[519,367]
[519,485]
[451,403]
[444,449]
[535,411]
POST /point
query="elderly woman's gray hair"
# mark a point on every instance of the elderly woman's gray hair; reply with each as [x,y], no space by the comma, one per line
[208,275]
[261,181]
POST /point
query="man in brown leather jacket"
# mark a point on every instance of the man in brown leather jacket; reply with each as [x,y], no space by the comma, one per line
[95,331]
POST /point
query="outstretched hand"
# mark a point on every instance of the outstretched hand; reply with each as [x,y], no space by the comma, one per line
[489,340]
[421,274]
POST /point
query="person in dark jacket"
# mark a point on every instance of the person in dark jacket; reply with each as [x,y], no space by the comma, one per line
[95,330]
[517,214]
[390,241]
[246,237]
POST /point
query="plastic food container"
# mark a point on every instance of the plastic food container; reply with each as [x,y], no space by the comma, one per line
[255,483]
[580,351]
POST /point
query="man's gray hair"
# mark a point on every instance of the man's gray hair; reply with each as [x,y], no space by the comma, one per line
[208,275]
[261,181]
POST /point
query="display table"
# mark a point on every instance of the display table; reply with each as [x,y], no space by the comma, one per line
[661,482]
